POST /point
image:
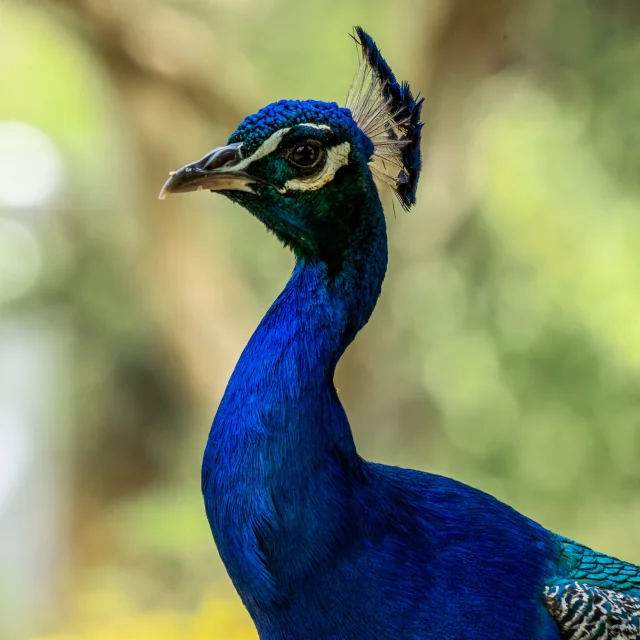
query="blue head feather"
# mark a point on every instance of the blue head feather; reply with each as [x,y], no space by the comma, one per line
[258,127]
[316,221]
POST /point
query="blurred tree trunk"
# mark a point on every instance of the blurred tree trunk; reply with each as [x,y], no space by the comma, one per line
[167,94]
[202,308]
[473,43]
[470,43]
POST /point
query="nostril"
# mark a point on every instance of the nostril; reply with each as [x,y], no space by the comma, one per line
[221,157]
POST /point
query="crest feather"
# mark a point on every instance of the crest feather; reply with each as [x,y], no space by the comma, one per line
[386,111]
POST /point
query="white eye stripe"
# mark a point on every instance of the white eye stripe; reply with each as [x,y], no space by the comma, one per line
[272,143]
[267,147]
[337,157]
[311,125]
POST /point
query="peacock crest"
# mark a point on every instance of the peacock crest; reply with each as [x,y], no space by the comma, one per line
[386,111]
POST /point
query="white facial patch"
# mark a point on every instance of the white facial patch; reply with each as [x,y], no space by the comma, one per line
[272,143]
[267,147]
[337,157]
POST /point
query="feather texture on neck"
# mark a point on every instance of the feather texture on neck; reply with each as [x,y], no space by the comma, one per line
[280,464]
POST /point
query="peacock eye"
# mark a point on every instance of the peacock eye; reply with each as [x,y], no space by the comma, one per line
[307,155]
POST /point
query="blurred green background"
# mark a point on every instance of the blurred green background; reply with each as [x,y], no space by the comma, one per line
[505,350]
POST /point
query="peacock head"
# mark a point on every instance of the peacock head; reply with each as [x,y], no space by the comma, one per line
[306,169]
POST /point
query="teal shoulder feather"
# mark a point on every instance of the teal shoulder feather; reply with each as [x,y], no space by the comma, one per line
[594,596]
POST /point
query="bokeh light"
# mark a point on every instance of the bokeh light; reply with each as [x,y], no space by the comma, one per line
[30,166]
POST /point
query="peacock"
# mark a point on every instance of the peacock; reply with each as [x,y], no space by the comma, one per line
[320,543]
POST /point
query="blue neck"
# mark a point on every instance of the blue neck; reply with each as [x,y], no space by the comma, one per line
[280,457]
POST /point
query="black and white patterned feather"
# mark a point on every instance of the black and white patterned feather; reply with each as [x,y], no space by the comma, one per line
[597,596]
[586,612]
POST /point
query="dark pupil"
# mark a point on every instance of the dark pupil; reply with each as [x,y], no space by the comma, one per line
[305,155]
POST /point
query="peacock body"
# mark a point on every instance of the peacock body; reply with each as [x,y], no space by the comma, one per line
[318,542]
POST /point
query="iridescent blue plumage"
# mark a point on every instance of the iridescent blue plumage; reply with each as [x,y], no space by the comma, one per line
[318,542]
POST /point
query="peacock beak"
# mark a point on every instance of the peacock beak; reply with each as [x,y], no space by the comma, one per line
[214,172]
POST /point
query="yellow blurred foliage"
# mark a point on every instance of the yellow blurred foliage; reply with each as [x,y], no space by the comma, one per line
[109,616]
